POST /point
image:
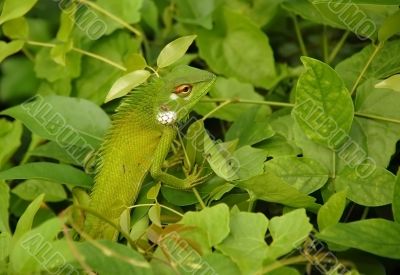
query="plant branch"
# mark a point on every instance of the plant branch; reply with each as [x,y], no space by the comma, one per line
[299,36]
[90,54]
[111,16]
[364,70]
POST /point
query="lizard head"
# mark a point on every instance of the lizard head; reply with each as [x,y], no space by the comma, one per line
[183,87]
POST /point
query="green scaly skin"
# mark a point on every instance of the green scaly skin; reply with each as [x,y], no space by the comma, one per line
[137,143]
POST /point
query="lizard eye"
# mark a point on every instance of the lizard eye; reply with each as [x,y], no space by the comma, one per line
[183,90]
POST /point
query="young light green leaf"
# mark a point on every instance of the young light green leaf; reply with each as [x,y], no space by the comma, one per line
[390,27]
[377,236]
[4,204]
[155,215]
[126,83]
[25,222]
[15,8]
[214,221]
[288,232]
[392,83]
[174,50]
[305,174]
[249,162]
[59,173]
[331,212]
[323,104]
[17,28]
[31,189]
[245,244]
[7,49]
[220,159]
[269,187]
[367,184]
[113,258]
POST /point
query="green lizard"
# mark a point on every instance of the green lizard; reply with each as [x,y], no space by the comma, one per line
[138,142]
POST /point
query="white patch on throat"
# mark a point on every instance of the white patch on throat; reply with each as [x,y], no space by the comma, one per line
[166,117]
[173,96]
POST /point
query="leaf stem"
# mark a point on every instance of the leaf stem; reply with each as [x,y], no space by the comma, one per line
[290,105]
[278,264]
[364,70]
[246,101]
[223,104]
[90,54]
[338,46]
[198,197]
[386,119]
[111,16]
[152,204]
[299,36]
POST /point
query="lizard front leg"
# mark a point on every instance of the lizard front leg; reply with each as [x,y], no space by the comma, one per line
[161,153]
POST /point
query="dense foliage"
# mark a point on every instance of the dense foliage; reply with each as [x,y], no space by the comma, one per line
[300,147]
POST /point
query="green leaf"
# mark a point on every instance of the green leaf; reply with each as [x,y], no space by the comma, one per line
[174,50]
[377,236]
[390,27]
[392,83]
[10,135]
[305,174]
[288,232]
[245,244]
[230,88]
[27,255]
[31,189]
[126,10]
[249,162]
[313,150]
[26,220]
[155,214]
[58,152]
[269,187]
[113,258]
[47,68]
[126,83]
[15,8]
[13,90]
[235,47]
[367,184]
[59,173]
[17,28]
[221,264]
[385,63]
[250,128]
[4,205]
[195,12]
[68,121]
[324,108]
[396,199]
[214,221]
[97,77]
[330,213]
[7,49]
[220,159]
[5,246]
[261,12]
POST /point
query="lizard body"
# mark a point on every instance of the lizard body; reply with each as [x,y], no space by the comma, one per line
[138,142]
